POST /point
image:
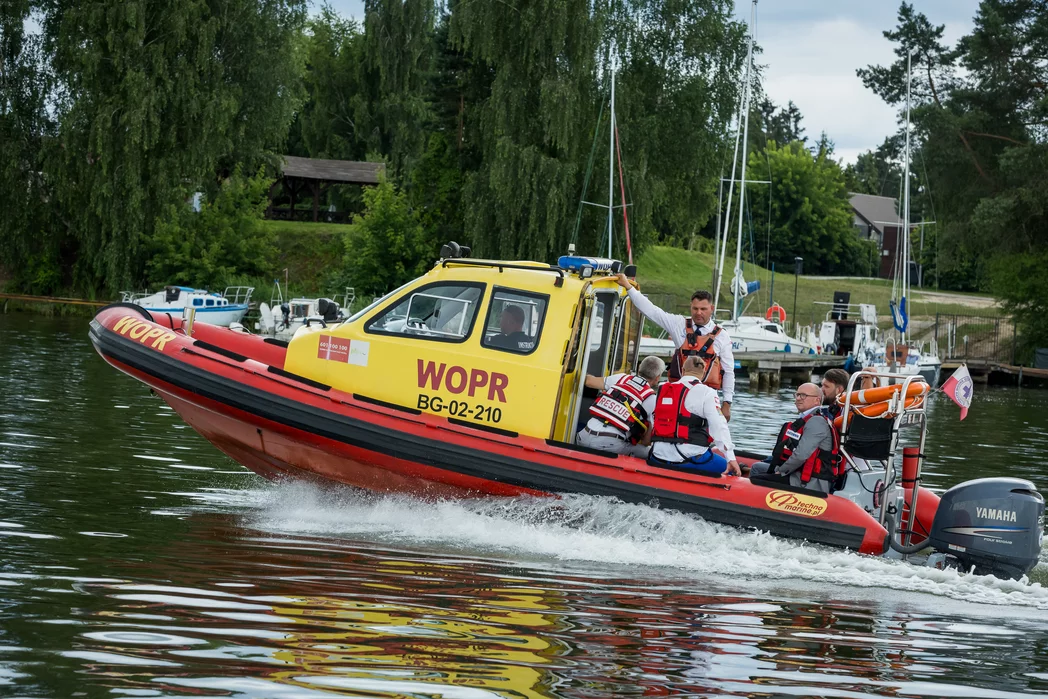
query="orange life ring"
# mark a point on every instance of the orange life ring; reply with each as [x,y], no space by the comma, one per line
[776,310]
[880,409]
[883,393]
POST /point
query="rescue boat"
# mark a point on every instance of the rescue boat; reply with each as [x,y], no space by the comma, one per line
[469,381]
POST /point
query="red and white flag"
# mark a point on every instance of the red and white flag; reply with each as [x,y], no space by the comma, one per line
[959,388]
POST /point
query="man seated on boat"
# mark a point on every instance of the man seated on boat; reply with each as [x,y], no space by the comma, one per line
[688,422]
[511,331]
[694,335]
[834,383]
[620,417]
[807,452]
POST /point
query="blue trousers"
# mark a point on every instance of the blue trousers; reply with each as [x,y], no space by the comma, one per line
[709,462]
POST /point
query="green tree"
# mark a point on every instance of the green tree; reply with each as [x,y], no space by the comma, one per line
[143,97]
[809,211]
[967,122]
[30,247]
[385,246]
[224,239]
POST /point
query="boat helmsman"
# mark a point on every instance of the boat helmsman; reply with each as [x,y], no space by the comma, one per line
[620,417]
[694,335]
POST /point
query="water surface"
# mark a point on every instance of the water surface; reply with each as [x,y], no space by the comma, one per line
[135,560]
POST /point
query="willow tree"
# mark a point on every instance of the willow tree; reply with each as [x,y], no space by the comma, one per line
[152,97]
[28,246]
[548,62]
[531,127]
[678,88]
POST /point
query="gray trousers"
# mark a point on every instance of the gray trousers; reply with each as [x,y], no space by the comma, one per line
[615,445]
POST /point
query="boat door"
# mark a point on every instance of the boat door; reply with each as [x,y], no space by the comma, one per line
[606,340]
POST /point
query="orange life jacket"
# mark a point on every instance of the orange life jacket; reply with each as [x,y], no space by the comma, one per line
[823,465]
[622,406]
[673,423]
[702,346]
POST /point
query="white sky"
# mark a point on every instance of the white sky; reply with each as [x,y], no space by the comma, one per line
[812,49]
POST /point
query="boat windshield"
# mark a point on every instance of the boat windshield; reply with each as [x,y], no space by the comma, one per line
[376,303]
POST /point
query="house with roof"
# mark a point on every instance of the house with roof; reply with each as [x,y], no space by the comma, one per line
[877,219]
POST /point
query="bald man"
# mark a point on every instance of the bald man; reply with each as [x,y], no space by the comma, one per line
[807,447]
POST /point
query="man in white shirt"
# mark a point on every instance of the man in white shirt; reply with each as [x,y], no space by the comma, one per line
[689,334]
[620,417]
[688,423]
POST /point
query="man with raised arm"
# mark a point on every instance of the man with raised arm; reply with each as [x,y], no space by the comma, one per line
[695,335]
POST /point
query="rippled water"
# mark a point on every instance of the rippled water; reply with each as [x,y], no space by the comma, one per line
[135,560]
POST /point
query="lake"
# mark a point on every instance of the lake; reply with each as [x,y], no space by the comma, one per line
[137,561]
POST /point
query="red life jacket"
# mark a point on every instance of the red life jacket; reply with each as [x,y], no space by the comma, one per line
[622,406]
[673,423]
[702,346]
[823,465]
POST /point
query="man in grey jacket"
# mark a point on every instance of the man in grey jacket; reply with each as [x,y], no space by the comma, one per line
[817,434]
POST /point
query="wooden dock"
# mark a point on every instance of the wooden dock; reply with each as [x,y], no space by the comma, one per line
[768,369]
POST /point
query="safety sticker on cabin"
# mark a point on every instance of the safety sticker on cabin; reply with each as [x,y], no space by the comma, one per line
[795,503]
[337,349]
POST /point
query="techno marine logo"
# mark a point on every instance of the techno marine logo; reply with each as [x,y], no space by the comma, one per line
[795,503]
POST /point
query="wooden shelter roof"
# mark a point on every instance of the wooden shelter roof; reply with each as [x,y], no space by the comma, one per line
[349,171]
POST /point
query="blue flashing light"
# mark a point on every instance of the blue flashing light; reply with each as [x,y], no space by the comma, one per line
[575,263]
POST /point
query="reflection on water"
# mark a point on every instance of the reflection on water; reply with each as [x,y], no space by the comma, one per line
[137,561]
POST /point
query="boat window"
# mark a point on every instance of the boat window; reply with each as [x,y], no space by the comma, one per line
[771,329]
[600,330]
[514,321]
[210,302]
[443,311]
[198,302]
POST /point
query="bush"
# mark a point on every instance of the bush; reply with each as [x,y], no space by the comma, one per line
[226,238]
[385,245]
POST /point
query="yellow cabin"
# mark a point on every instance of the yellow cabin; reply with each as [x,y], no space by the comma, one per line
[501,344]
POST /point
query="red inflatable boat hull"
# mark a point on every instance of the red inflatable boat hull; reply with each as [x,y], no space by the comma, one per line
[232,389]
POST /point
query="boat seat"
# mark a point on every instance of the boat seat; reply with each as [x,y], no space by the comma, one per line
[869,438]
[779,483]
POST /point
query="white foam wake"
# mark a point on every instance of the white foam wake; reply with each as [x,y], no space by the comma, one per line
[628,538]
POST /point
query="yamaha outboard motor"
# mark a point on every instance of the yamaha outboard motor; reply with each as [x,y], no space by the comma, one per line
[992,524]
[328,309]
[285,310]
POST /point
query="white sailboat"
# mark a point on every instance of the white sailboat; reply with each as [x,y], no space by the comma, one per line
[903,355]
[748,333]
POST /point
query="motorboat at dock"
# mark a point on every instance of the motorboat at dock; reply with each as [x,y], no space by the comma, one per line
[213,308]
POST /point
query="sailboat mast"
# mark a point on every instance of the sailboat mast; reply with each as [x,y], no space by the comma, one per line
[745,142]
[611,155]
[906,205]
[721,248]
